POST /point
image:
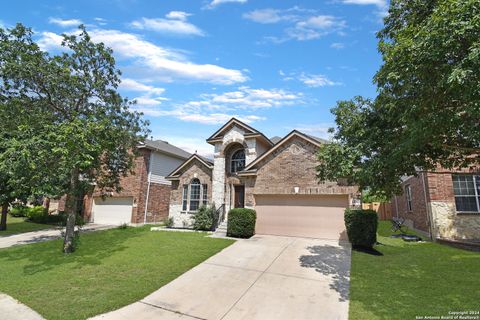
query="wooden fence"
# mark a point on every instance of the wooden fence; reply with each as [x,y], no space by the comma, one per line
[383,209]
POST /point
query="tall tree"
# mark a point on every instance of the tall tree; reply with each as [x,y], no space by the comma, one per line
[75,129]
[427,111]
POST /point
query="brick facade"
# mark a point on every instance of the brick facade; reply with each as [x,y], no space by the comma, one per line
[417,218]
[434,211]
[134,185]
[291,165]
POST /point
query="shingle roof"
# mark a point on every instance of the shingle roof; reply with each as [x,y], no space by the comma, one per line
[317,138]
[275,139]
[164,146]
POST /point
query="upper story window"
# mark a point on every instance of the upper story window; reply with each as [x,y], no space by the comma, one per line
[467,192]
[408,195]
[237,163]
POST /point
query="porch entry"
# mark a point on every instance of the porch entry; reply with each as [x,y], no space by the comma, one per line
[239,197]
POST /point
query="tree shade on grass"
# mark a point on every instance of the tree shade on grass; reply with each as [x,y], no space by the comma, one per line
[17,225]
[412,279]
[109,270]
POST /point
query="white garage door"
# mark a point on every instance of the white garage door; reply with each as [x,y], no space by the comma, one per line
[310,216]
[112,210]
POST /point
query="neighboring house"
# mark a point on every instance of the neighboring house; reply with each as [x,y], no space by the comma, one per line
[441,204]
[145,195]
[276,177]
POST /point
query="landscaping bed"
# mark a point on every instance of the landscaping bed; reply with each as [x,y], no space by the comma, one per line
[403,280]
[109,270]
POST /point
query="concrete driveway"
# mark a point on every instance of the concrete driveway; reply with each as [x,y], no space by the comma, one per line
[265,277]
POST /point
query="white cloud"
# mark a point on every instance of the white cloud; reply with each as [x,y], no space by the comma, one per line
[303,24]
[318,130]
[175,23]
[134,85]
[219,108]
[267,16]
[311,80]
[215,3]
[163,64]
[337,45]
[100,21]
[316,80]
[188,144]
[378,3]
[65,22]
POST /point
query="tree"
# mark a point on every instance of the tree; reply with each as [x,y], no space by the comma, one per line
[69,128]
[427,111]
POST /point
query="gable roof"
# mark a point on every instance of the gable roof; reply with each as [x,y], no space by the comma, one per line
[275,139]
[294,133]
[175,173]
[165,147]
[249,131]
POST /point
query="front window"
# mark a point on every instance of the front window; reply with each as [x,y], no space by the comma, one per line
[408,195]
[467,192]
[238,161]
[185,197]
[194,194]
[205,194]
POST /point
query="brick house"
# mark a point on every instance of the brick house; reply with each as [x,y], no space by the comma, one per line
[442,205]
[276,177]
[145,195]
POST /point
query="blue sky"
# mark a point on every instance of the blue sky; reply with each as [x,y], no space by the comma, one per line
[191,65]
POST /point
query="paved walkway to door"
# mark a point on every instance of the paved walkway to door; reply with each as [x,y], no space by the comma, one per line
[265,277]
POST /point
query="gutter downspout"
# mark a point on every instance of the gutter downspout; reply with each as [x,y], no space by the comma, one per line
[429,218]
[148,188]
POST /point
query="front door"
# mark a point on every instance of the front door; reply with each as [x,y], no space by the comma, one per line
[239,200]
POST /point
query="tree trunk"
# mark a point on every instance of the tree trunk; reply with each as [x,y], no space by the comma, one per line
[3,220]
[71,208]
[46,204]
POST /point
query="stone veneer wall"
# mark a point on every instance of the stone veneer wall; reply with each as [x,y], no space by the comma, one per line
[194,169]
[292,165]
[448,223]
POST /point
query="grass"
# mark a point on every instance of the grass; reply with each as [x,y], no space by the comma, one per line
[17,225]
[109,270]
[412,279]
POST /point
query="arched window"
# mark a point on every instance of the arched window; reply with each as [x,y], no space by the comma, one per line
[194,194]
[238,161]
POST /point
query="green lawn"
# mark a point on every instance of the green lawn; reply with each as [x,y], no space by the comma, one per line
[109,270]
[19,225]
[412,279]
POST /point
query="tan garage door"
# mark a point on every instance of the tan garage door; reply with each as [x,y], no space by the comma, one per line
[112,211]
[310,216]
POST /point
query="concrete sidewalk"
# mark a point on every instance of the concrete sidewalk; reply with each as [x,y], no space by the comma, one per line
[265,277]
[43,235]
[12,309]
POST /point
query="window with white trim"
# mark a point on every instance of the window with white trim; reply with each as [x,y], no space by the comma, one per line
[408,195]
[185,197]
[467,192]
[193,195]
[204,194]
[237,163]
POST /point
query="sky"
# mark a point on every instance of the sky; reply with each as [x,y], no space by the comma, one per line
[192,65]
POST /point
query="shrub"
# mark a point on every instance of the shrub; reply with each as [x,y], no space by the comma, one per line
[361,227]
[204,218]
[37,214]
[169,222]
[19,210]
[241,223]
